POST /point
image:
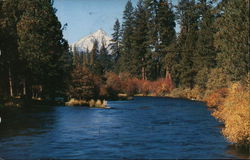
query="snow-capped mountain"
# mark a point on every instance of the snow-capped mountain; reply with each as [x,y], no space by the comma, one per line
[87,42]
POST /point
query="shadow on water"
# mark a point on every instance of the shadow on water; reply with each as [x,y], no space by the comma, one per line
[27,121]
[239,152]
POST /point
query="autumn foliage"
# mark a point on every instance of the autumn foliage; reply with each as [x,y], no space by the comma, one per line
[235,113]
[124,83]
[217,97]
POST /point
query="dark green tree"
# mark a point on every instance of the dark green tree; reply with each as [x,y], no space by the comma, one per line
[204,56]
[105,59]
[166,35]
[139,45]
[186,43]
[151,56]
[94,52]
[9,58]
[116,41]
[232,38]
[43,51]
[127,37]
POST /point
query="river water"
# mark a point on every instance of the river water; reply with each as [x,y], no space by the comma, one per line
[146,127]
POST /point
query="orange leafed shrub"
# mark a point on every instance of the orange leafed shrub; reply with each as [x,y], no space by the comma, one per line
[124,83]
[156,88]
[130,86]
[113,81]
[217,97]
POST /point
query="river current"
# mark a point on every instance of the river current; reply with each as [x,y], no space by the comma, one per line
[146,127]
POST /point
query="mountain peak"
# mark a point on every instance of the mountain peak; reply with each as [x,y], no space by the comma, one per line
[86,43]
[100,31]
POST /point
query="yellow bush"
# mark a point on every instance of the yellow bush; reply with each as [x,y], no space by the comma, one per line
[99,104]
[92,103]
[216,98]
[75,102]
[235,113]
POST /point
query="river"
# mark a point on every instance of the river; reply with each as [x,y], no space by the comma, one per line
[146,127]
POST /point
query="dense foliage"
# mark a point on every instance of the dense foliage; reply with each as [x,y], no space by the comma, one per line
[35,61]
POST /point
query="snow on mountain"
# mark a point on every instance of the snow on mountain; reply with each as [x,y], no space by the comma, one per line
[87,42]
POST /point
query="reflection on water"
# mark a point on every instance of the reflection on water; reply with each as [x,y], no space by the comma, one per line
[25,122]
[238,152]
[147,127]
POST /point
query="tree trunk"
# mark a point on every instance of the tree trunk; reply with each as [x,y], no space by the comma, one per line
[24,87]
[143,69]
[10,83]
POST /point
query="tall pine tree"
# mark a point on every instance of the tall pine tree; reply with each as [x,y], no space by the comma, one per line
[139,45]
[204,57]
[116,46]
[186,43]
[232,38]
[166,34]
[127,37]
[43,50]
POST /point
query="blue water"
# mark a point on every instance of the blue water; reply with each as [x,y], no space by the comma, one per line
[147,127]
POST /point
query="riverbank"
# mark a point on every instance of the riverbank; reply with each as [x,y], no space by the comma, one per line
[231,106]
[21,102]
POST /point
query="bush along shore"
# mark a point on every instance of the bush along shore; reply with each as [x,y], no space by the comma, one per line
[90,103]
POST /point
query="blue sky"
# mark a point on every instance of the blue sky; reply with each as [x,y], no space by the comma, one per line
[86,16]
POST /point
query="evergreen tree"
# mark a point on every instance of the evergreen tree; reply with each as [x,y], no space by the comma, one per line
[96,66]
[127,33]
[9,55]
[232,38]
[105,59]
[188,20]
[76,56]
[116,41]
[166,34]
[151,55]
[205,53]
[94,52]
[42,48]
[139,45]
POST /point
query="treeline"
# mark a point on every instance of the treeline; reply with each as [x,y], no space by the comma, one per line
[35,60]
[98,60]
[213,41]
[209,52]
